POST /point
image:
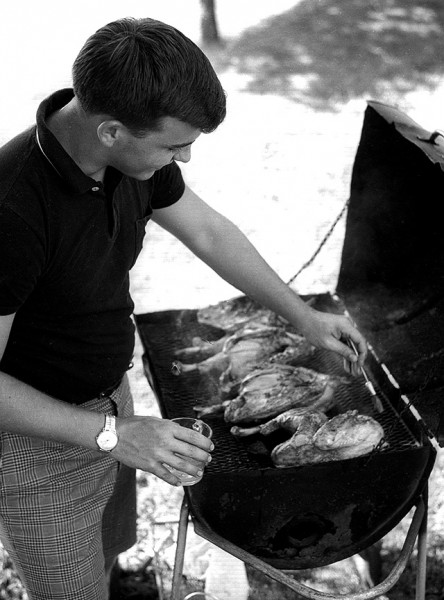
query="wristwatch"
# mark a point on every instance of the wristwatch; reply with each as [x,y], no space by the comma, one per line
[108,438]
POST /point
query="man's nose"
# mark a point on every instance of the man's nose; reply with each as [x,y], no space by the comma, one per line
[183,154]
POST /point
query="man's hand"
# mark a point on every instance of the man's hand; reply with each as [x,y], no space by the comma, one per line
[147,443]
[330,331]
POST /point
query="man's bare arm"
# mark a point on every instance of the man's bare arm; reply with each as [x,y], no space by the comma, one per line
[223,247]
[144,442]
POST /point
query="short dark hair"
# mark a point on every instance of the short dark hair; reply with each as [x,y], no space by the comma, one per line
[139,71]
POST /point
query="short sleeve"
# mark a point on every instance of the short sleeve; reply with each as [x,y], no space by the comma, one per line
[22,260]
[169,186]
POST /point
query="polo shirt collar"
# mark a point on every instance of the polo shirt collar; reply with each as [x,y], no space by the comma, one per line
[54,152]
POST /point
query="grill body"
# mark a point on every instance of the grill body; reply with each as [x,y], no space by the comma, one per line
[299,517]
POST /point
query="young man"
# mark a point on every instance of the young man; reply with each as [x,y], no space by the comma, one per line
[76,192]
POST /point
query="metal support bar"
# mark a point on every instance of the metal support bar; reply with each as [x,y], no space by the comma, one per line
[180,549]
[421,560]
[417,530]
[418,523]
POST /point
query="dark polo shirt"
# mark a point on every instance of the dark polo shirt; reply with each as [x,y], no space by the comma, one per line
[67,244]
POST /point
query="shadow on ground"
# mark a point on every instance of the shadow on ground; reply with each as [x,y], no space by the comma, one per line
[326,52]
[264,588]
[405,588]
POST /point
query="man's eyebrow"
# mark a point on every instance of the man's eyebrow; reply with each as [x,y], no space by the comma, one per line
[181,145]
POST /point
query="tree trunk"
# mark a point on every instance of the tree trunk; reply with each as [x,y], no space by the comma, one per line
[208,24]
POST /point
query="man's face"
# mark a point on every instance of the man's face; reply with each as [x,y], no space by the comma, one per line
[140,157]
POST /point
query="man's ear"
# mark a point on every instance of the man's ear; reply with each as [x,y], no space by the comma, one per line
[109,132]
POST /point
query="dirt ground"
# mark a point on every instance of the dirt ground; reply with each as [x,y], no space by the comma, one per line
[279,167]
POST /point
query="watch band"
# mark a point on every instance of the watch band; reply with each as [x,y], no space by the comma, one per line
[110,423]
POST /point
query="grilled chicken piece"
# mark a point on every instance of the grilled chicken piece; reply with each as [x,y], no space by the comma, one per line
[256,346]
[350,433]
[268,392]
[295,355]
[289,420]
[346,436]
[243,351]
[202,349]
[288,455]
[211,367]
[232,314]
[285,454]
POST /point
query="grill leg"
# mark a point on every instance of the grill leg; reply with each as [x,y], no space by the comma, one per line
[421,562]
[180,549]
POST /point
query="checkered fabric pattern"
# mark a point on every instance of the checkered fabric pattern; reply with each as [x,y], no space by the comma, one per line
[65,510]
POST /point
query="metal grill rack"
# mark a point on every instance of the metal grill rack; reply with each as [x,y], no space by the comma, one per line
[166,332]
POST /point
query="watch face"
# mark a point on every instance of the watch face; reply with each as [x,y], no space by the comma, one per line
[107,440]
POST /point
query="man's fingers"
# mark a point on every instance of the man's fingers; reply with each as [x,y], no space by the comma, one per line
[356,345]
[192,437]
[359,347]
[352,368]
[163,473]
[187,465]
[344,350]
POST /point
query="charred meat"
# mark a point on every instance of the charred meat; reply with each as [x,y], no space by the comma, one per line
[270,391]
[232,314]
[351,434]
[245,350]
[300,444]
[201,349]
[298,351]
[347,435]
[290,420]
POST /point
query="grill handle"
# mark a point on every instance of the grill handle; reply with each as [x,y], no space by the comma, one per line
[368,384]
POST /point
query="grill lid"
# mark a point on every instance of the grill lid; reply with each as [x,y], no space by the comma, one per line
[392,270]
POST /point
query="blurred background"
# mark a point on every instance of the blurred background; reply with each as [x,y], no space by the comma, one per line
[297,75]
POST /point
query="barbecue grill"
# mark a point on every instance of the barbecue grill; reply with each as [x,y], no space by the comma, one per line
[391,282]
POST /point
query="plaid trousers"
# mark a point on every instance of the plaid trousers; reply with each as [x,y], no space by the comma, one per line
[66,511]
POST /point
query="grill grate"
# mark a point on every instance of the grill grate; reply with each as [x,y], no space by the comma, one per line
[166,332]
